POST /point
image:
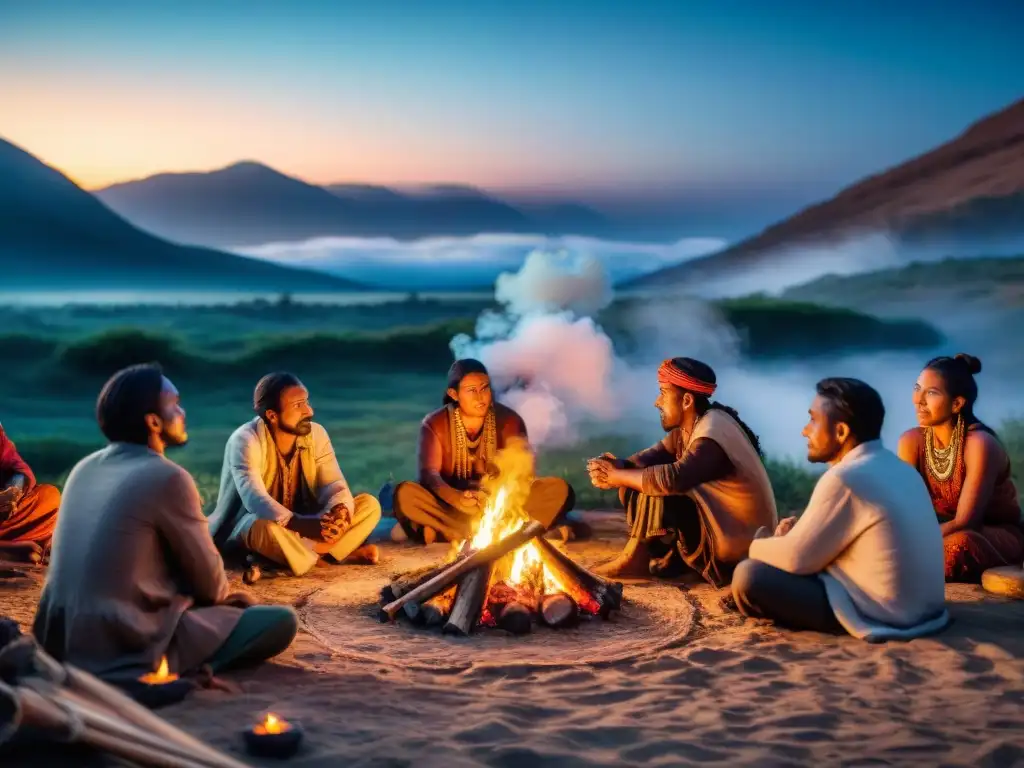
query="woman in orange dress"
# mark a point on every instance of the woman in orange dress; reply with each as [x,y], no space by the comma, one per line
[28,511]
[966,469]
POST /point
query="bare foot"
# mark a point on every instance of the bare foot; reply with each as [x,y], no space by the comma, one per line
[368,554]
[632,563]
[398,534]
[22,552]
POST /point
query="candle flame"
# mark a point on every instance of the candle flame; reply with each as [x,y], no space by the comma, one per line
[162,674]
[272,724]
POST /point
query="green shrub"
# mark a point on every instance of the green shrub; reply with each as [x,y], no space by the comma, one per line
[771,328]
[109,351]
[25,346]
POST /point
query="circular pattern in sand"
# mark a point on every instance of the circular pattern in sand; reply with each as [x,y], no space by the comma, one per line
[343,616]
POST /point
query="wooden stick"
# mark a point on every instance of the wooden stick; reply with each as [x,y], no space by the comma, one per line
[451,574]
[408,581]
[38,711]
[99,718]
[94,689]
[469,601]
[607,594]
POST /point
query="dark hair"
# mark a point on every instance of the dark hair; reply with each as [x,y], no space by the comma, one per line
[703,404]
[267,395]
[856,404]
[125,400]
[461,369]
[958,373]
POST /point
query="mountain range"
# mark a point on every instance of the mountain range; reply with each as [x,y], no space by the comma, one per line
[965,197]
[249,204]
[54,234]
[962,198]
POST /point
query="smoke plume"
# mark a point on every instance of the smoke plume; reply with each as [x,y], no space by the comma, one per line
[551,361]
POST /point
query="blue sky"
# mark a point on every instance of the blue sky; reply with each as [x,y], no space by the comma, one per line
[752,100]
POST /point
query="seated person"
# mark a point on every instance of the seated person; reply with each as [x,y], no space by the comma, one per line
[282,493]
[967,471]
[134,575]
[456,444]
[865,557]
[28,511]
[695,499]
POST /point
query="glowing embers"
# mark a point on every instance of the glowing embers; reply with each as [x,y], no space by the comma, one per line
[505,576]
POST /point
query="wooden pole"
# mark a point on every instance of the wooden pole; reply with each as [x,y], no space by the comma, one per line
[98,717]
[36,710]
[92,688]
[452,574]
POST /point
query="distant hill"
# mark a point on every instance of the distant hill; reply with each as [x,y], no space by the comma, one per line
[993,283]
[250,204]
[55,235]
[965,195]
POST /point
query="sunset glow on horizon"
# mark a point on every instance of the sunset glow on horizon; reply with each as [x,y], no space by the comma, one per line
[571,98]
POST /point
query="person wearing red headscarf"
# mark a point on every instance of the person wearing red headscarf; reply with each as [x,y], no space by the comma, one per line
[695,499]
[28,511]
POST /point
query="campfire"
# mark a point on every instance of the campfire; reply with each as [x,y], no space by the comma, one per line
[506,575]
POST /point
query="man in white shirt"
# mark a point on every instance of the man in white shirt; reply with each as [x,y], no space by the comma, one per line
[282,493]
[866,556]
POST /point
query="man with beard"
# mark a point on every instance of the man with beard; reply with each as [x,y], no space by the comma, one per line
[866,555]
[134,574]
[28,511]
[695,499]
[282,494]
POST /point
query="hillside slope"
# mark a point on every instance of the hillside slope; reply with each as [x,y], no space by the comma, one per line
[966,193]
[53,234]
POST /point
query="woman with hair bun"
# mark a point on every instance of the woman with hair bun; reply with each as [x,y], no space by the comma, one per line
[966,469]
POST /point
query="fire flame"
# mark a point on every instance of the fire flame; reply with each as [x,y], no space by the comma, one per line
[504,513]
[162,674]
[272,724]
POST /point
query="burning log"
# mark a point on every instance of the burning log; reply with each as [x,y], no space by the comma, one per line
[606,594]
[407,582]
[559,610]
[454,571]
[469,601]
[431,613]
[516,618]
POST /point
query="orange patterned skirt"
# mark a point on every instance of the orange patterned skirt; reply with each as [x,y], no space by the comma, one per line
[969,553]
[35,518]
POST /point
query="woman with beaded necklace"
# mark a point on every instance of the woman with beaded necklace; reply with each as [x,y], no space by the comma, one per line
[966,469]
[457,443]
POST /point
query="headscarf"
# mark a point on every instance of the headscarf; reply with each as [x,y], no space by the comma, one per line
[675,372]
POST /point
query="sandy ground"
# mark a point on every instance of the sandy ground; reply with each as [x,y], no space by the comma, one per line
[727,691]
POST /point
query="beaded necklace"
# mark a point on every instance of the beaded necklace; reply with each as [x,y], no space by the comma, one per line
[466,451]
[941,461]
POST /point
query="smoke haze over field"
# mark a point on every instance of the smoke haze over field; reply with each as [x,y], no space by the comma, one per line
[553,363]
[458,263]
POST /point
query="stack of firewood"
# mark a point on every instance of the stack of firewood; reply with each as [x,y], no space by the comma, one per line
[459,596]
[41,699]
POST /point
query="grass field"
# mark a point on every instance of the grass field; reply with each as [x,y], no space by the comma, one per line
[373,374]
